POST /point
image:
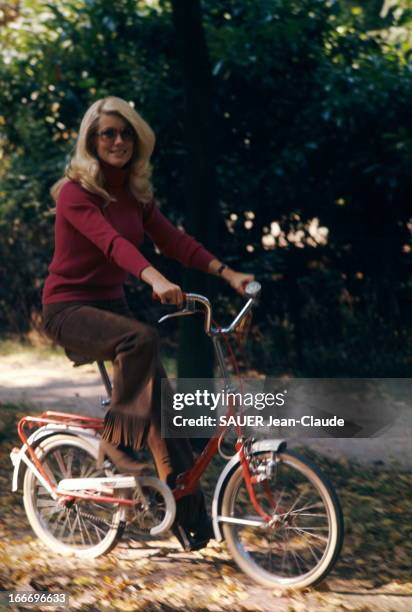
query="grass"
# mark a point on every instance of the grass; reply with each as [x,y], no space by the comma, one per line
[31,344]
[38,345]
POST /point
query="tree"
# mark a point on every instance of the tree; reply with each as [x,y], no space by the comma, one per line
[201,205]
[313,149]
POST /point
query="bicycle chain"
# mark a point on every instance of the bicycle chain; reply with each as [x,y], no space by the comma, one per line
[93,519]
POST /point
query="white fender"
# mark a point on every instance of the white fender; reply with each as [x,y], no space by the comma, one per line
[261,445]
[45,432]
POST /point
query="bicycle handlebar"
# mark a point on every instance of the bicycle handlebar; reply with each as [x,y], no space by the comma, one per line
[252,291]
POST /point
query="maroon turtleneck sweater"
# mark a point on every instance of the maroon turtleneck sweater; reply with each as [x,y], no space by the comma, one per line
[96,245]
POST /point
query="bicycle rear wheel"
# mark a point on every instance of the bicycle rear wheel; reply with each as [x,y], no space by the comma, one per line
[84,528]
[300,546]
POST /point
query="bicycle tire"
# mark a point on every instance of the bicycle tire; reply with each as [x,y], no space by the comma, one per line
[101,524]
[247,554]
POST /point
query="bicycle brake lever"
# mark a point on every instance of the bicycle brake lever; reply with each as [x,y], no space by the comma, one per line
[179,313]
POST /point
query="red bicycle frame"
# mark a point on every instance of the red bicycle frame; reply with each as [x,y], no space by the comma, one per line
[58,418]
[186,482]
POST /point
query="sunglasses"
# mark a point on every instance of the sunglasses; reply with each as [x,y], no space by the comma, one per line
[111,134]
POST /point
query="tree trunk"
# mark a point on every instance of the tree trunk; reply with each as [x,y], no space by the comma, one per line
[195,358]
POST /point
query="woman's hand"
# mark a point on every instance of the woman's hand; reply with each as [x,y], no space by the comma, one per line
[167,292]
[237,280]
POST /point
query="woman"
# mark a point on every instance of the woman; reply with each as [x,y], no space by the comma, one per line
[104,206]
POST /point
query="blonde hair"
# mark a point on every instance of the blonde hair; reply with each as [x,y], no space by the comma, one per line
[84,166]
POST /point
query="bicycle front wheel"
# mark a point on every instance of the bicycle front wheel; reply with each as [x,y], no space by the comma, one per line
[301,543]
[84,528]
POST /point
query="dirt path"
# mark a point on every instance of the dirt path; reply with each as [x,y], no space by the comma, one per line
[159,577]
[156,575]
[50,382]
[53,383]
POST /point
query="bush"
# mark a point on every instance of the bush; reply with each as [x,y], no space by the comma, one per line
[314,150]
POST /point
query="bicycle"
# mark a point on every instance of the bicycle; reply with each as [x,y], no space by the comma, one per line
[279,515]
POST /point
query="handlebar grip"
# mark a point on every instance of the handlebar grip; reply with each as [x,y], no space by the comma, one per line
[252,289]
[156,297]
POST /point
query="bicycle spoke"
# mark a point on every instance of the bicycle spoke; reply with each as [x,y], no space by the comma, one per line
[63,526]
[297,513]
[70,457]
[308,533]
[74,529]
[89,471]
[314,555]
[77,529]
[270,555]
[50,511]
[279,500]
[99,506]
[294,504]
[60,463]
[317,543]
[290,548]
[97,529]
[285,548]
[310,507]
[45,503]
[85,528]
[54,524]
[295,557]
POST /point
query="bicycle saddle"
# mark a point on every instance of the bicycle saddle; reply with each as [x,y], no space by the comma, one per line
[77,358]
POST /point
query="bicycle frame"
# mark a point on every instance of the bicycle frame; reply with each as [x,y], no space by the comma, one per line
[69,420]
[186,482]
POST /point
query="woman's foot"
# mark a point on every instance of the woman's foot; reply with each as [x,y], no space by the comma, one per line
[123,460]
[202,535]
[193,527]
[196,539]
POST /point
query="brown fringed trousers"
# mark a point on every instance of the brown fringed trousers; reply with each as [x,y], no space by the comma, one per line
[107,330]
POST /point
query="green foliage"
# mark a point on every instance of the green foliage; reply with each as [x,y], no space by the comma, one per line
[312,124]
